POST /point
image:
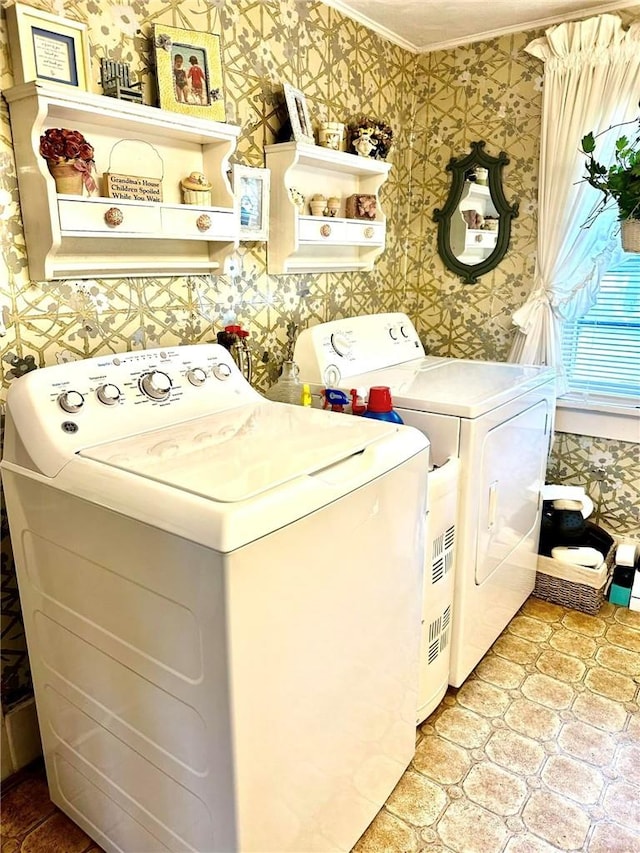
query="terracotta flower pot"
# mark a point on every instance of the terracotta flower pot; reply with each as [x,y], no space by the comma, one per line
[69,181]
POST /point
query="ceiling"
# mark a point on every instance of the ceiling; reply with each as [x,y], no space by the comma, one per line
[425,25]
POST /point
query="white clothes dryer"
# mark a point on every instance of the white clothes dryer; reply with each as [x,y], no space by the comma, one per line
[497,419]
[220,602]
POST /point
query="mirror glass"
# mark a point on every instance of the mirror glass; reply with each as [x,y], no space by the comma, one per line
[474,226]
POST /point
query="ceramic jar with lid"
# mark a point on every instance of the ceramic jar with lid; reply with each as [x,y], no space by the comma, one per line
[196,189]
[333,206]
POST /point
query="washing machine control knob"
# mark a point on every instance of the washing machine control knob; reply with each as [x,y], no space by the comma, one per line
[156,385]
[109,394]
[222,371]
[196,376]
[393,333]
[404,332]
[71,401]
[331,376]
[341,344]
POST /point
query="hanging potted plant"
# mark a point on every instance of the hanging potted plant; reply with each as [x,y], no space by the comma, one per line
[619,182]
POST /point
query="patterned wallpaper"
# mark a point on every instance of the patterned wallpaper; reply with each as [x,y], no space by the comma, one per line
[486,91]
[437,104]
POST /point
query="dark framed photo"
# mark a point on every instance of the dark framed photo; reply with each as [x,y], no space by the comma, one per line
[298,115]
[189,71]
[48,48]
[251,193]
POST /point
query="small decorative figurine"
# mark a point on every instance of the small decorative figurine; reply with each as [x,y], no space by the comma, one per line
[370,137]
[116,82]
[196,189]
[364,144]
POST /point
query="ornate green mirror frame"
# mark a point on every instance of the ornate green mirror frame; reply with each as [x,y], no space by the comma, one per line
[470,242]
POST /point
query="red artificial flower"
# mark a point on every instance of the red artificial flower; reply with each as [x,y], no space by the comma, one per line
[58,144]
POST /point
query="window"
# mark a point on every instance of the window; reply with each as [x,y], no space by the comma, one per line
[601,351]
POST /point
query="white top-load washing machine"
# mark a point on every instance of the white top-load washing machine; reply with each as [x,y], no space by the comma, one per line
[497,419]
[220,601]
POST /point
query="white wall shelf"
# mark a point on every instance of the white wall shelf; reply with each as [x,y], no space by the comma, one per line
[67,236]
[299,242]
[471,245]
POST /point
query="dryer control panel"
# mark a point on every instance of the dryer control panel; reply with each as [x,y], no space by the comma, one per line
[87,402]
[331,352]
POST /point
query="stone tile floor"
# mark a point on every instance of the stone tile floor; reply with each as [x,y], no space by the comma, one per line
[538,751]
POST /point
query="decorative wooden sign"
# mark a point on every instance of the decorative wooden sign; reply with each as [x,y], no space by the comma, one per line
[132,187]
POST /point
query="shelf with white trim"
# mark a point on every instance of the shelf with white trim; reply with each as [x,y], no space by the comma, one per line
[302,243]
[80,236]
[471,245]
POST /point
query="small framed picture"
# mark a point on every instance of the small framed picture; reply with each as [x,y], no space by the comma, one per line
[251,193]
[47,48]
[189,70]
[298,115]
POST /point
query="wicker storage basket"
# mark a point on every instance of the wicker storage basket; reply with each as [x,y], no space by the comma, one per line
[573,586]
[630,235]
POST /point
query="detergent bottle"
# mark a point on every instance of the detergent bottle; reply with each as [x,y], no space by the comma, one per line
[380,405]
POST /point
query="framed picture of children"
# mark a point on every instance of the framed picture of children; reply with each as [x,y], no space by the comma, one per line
[251,193]
[189,70]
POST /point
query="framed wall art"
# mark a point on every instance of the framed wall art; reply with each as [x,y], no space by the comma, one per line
[189,70]
[298,115]
[48,48]
[251,192]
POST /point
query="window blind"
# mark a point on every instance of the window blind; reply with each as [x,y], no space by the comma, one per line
[601,351]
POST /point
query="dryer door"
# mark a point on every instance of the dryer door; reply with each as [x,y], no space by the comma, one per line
[514,455]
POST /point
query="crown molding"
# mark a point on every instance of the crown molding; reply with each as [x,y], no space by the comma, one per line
[355,15]
[538,23]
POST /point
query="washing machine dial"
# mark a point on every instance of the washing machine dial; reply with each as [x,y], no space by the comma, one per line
[109,394]
[393,333]
[222,371]
[71,401]
[196,376]
[156,385]
[404,332]
[341,344]
[331,376]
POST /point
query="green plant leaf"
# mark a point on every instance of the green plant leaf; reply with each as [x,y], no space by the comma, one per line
[588,143]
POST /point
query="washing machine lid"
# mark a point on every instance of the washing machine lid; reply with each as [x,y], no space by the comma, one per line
[238,454]
[453,386]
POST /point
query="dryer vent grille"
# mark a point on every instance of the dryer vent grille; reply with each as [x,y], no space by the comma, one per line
[439,635]
[442,555]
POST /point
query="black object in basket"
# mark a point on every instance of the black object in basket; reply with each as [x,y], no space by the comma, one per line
[562,523]
[574,586]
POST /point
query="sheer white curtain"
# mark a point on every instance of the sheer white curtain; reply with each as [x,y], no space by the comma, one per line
[591,81]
